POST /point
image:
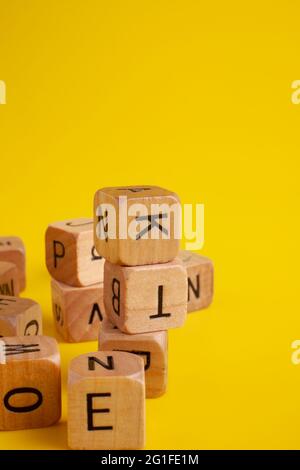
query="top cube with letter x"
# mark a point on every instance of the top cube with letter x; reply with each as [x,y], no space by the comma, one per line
[137,225]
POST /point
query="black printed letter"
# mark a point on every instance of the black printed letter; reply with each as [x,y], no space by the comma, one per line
[95,310]
[91,411]
[23,409]
[58,253]
[160,313]
[33,323]
[95,257]
[108,366]
[116,296]
[196,290]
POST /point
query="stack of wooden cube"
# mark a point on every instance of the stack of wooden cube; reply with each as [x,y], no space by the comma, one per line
[30,379]
[145,286]
[148,288]
[18,316]
[12,266]
[77,279]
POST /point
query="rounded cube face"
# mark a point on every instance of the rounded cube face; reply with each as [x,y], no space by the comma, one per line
[137,225]
[9,279]
[30,384]
[12,250]
[106,401]
[142,299]
[200,273]
[71,257]
[151,347]
[20,317]
[77,311]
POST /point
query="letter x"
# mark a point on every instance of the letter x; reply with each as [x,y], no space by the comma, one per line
[152,219]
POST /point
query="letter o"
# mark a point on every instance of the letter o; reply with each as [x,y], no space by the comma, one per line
[23,409]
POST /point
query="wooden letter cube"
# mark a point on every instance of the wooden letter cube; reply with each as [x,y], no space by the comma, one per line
[9,279]
[136,225]
[106,401]
[30,386]
[151,347]
[77,311]
[70,253]
[200,272]
[12,250]
[140,299]
[20,317]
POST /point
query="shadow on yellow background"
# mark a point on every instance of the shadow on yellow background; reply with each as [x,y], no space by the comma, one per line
[196,98]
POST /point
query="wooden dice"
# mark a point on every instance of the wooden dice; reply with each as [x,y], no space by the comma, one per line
[200,272]
[30,386]
[106,401]
[12,250]
[137,225]
[140,299]
[70,253]
[78,311]
[9,279]
[151,347]
[20,317]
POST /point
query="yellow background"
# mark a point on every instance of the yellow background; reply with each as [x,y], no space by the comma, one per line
[196,97]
